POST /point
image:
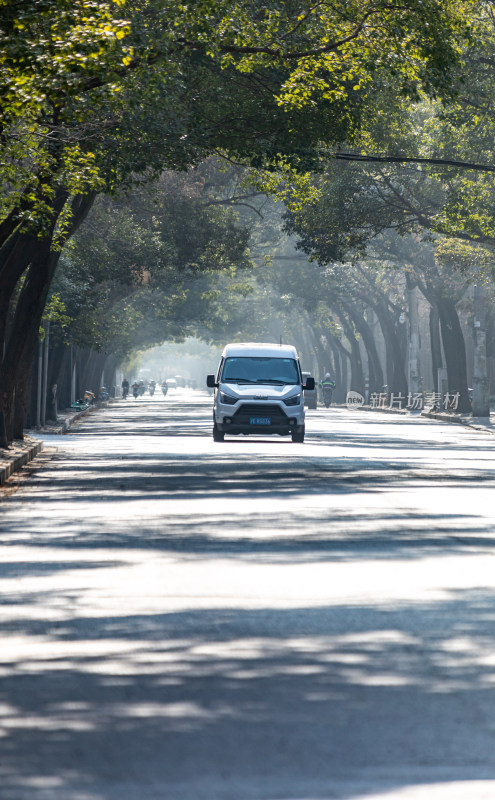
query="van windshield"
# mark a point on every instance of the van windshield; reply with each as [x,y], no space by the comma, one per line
[258,369]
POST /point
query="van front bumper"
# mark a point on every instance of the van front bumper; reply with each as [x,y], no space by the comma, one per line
[228,426]
[241,420]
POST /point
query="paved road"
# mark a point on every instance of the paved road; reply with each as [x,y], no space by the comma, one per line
[252,620]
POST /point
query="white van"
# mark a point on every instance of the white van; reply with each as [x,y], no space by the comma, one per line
[259,390]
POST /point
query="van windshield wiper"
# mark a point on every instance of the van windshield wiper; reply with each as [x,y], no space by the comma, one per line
[258,380]
[238,380]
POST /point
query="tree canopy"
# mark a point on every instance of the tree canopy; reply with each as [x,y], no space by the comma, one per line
[100,98]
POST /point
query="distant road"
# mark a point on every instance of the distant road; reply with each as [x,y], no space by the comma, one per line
[253,619]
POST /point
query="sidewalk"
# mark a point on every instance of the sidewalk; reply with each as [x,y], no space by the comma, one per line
[65,420]
[486,424]
[21,453]
[67,417]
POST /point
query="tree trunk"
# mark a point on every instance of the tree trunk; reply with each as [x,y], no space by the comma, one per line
[337,371]
[10,223]
[357,375]
[481,389]
[81,359]
[318,349]
[396,376]
[325,350]
[88,373]
[436,345]
[374,365]
[21,392]
[414,370]
[24,336]
[109,371]
[15,258]
[60,373]
[311,364]
[23,339]
[341,396]
[345,357]
[454,348]
[96,371]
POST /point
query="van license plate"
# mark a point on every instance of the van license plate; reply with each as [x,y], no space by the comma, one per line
[260,420]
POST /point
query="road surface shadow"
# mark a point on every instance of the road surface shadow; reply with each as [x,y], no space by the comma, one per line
[186,417]
[243,704]
[272,538]
[309,512]
[301,702]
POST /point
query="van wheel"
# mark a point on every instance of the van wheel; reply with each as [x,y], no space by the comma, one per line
[218,436]
[298,435]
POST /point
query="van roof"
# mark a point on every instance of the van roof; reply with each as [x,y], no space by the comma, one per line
[246,349]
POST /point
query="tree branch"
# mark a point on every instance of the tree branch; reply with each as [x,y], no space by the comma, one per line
[440,162]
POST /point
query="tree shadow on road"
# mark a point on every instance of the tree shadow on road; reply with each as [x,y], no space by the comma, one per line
[206,504]
[334,701]
[300,702]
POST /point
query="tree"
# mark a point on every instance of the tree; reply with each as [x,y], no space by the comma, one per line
[98,93]
[131,275]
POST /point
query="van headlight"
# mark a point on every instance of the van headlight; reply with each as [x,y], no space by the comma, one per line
[227,399]
[293,401]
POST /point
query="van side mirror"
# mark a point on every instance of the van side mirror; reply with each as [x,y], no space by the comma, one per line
[210,381]
[310,383]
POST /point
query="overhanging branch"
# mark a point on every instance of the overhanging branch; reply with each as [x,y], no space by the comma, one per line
[436,162]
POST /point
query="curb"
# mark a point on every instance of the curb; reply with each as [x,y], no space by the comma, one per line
[59,427]
[404,412]
[68,421]
[18,455]
[22,452]
[445,417]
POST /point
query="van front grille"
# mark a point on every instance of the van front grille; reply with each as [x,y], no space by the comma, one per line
[260,410]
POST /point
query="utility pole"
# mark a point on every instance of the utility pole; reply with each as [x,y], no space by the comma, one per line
[481,397]
[44,388]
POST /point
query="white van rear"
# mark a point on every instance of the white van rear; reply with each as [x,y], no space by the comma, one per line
[259,390]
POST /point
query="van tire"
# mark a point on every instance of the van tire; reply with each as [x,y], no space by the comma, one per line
[298,435]
[218,436]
